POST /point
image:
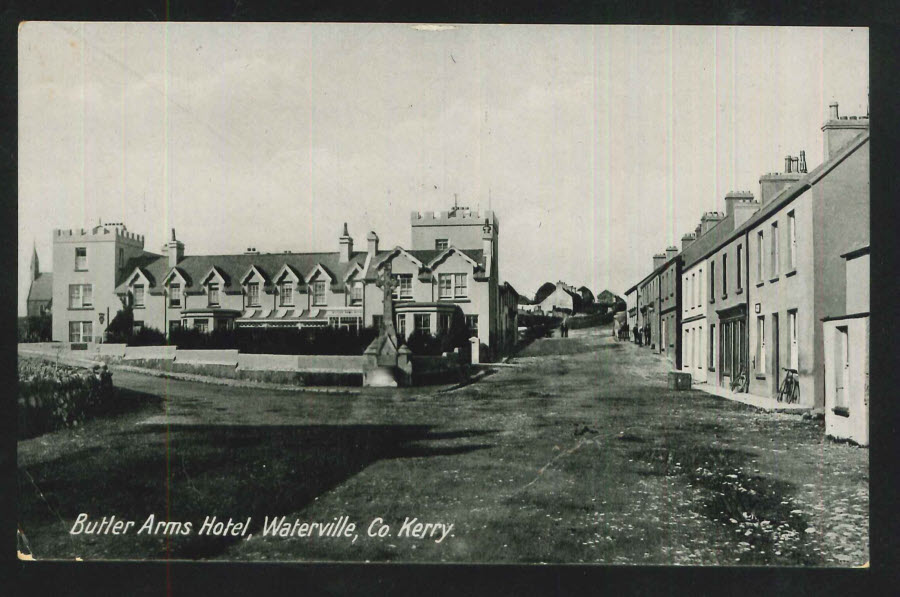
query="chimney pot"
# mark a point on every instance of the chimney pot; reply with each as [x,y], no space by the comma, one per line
[802,162]
[833,111]
[787,164]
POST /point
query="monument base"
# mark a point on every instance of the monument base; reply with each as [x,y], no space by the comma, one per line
[381,377]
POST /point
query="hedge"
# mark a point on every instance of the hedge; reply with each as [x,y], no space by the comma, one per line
[53,396]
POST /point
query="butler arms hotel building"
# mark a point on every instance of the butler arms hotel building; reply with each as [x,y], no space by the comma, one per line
[450,270]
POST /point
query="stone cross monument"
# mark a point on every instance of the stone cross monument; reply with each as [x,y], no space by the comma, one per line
[385,359]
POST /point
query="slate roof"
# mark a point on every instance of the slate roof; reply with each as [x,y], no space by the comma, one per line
[41,288]
[714,237]
[195,267]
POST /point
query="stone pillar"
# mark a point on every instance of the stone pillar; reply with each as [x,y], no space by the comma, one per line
[476,349]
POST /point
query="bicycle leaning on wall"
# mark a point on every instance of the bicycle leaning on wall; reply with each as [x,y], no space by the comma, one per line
[790,387]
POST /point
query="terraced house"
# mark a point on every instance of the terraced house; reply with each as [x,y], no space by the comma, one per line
[762,286]
[450,270]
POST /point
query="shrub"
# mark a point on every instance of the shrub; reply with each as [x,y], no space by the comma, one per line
[55,396]
[325,340]
[35,328]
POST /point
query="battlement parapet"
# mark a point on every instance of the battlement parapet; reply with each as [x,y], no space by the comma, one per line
[97,233]
[453,217]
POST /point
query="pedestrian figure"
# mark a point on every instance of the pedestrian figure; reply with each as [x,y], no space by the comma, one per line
[564,327]
[637,337]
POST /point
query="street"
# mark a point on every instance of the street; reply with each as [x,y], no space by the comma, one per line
[578,453]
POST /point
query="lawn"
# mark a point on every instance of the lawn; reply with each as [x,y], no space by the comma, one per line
[580,454]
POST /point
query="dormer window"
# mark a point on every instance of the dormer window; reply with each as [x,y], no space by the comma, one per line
[175,295]
[139,296]
[441,244]
[253,294]
[402,286]
[318,288]
[287,293]
[356,293]
[212,290]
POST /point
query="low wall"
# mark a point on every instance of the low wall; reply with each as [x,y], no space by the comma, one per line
[207,357]
[112,350]
[149,353]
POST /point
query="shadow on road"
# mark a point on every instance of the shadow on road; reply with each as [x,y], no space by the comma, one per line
[194,471]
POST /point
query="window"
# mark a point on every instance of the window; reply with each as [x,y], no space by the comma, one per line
[460,288]
[690,290]
[712,347]
[175,295]
[472,325]
[253,294]
[712,281]
[80,259]
[356,293]
[403,286]
[445,286]
[759,256]
[739,265]
[792,242]
[687,350]
[212,291]
[139,296]
[443,322]
[287,294]
[724,275]
[727,332]
[201,325]
[401,325]
[121,258]
[422,321]
[81,331]
[699,340]
[700,288]
[319,293]
[774,248]
[174,326]
[137,326]
[794,355]
[761,344]
[81,296]
[842,372]
[441,244]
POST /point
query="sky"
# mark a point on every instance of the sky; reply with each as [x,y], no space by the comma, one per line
[596,146]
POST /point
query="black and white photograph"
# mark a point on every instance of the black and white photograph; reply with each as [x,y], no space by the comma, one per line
[443,293]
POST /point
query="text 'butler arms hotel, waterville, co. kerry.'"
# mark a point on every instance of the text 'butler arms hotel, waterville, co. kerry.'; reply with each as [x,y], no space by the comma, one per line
[450,266]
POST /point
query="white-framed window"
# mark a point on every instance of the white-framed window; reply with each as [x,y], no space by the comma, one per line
[761,344]
[212,290]
[401,325]
[712,347]
[792,241]
[201,325]
[81,331]
[174,295]
[356,293]
[287,293]
[699,340]
[444,320]
[739,267]
[441,244]
[460,285]
[712,281]
[760,253]
[253,294]
[724,275]
[422,321]
[138,290]
[402,286]
[793,347]
[81,296]
[774,257]
[318,292]
[700,288]
[472,325]
[687,349]
[445,286]
[81,263]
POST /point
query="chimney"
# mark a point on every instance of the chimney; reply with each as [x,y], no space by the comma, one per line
[698,231]
[802,166]
[372,240]
[743,210]
[708,220]
[175,250]
[487,241]
[658,260]
[840,131]
[686,240]
[251,251]
[771,184]
[346,245]
[671,252]
[734,198]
